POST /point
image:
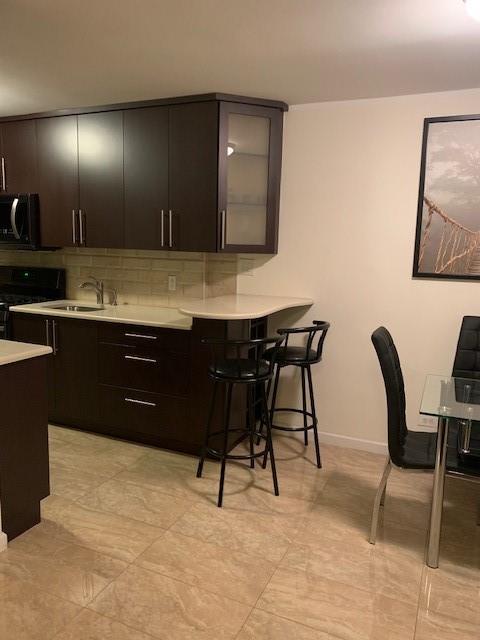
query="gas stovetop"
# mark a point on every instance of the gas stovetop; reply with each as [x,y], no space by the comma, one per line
[12,299]
[26,285]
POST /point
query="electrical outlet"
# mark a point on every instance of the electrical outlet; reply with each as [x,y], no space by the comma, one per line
[172,283]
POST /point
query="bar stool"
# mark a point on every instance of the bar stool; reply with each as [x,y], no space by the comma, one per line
[241,362]
[303,357]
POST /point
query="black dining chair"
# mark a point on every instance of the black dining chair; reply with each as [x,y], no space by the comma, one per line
[467,365]
[409,450]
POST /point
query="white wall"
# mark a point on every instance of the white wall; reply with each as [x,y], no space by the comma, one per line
[349,200]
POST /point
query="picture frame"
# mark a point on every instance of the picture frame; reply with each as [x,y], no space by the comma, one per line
[447,238]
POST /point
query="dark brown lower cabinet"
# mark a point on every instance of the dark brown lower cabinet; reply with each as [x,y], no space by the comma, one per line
[24,468]
[140,383]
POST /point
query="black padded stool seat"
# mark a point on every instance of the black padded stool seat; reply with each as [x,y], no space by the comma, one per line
[293,355]
[243,369]
[302,357]
[250,369]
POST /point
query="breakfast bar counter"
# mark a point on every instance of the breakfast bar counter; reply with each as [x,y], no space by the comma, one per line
[241,306]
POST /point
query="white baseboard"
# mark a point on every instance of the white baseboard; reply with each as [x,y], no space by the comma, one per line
[344,441]
[353,443]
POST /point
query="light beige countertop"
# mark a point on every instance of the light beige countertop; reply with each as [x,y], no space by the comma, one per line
[123,313]
[11,351]
[241,307]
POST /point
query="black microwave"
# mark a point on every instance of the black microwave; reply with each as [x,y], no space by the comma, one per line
[19,227]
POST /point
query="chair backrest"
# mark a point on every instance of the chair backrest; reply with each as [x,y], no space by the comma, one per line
[395,390]
[467,356]
[316,335]
[239,352]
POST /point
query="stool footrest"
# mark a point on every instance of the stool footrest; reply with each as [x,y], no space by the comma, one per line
[301,412]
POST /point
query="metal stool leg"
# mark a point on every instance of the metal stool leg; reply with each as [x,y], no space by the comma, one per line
[379,500]
[207,430]
[314,414]
[251,421]
[225,442]
[304,405]
[269,444]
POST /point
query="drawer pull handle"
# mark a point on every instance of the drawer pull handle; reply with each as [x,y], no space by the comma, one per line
[139,335]
[148,404]
[141,359]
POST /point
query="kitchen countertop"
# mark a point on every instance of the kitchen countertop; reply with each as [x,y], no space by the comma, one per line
[123,313]
[15,351]
[241,307]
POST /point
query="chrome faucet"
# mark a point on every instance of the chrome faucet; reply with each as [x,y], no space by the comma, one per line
[96,285]
[99,288]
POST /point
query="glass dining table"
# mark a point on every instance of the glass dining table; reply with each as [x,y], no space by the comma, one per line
[446,399]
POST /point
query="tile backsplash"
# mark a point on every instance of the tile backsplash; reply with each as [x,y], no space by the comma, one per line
[140,277]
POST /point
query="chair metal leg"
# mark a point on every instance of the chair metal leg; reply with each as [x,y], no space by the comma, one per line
[304,406]
[269,444]
[225,443]
[379,501]
[207,430]
[437,495]
[314,414]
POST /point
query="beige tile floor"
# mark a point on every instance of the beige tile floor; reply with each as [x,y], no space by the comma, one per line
[132,547]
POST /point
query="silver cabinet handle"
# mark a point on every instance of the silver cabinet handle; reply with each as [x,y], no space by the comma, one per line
[140,359]
[4,180]
[13,218]
[170,233]
[144,402]
[74,227]
[162,235]
[54,337]
[140,335]
[223,227]
[47,332]
[80,227]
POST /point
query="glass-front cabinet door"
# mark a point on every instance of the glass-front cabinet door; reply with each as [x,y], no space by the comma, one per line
[250,153]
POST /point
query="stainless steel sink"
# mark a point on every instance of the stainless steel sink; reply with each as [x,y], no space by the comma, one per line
[77,307]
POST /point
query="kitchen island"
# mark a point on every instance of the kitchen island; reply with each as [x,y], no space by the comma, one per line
[24,474]
[140,373]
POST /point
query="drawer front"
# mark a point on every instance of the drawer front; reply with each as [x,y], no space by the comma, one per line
[136,411]
[154,370]
[144,337]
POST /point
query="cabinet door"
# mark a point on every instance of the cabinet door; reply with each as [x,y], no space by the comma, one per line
[18,172]
[75,362]
[250,141]
[36,330]
[100,156]
[193,160]
[146,177]
[57,162]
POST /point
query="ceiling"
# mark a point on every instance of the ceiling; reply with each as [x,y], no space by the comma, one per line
[57,53]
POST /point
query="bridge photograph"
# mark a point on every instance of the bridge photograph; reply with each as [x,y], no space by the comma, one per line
[448,220]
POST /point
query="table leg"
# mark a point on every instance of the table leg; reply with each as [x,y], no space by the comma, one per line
[437,495]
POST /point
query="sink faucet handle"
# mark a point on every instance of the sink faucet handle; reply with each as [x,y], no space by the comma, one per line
[112,294]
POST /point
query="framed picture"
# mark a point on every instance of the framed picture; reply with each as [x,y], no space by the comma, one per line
[447,242]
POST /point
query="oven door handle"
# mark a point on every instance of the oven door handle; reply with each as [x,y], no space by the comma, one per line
[13,218]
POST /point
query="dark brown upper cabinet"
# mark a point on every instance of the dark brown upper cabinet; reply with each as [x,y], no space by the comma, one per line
[146,177]
[100,171]
[193,162]
[17,157]
[57,162]
[80,180]
[196,173]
